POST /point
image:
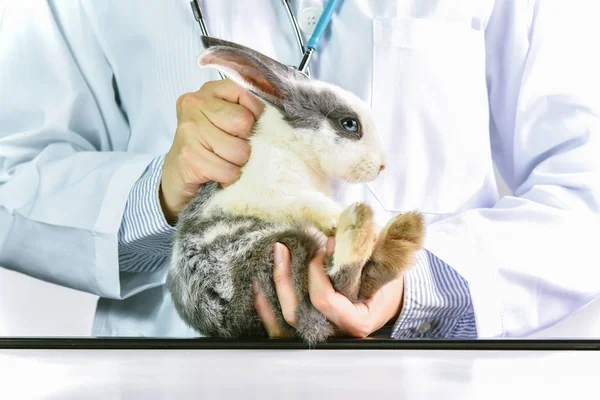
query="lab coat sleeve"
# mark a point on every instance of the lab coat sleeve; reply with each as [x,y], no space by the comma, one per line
[145,236]
[532,259]
[65,172]
[437,302]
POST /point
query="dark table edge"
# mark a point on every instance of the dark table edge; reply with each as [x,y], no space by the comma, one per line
[128,343]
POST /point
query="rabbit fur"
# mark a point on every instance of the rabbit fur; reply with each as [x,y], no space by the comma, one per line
[309,133]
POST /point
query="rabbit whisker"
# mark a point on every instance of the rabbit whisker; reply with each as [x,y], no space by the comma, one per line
[353,176]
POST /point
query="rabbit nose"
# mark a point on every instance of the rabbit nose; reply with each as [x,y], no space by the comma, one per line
[381,167]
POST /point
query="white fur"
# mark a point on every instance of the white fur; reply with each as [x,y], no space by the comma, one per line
[345,251]
[287,176]
[356,161]
[277,183]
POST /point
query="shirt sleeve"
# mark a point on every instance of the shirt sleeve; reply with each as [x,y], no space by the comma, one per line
[437,302]
[145,234]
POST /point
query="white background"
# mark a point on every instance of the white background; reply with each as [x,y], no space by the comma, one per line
[30,307]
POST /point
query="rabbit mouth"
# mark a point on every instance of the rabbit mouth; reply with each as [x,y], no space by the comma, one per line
[364,172]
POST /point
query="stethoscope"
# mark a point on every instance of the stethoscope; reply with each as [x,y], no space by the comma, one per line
[313,42]
[307,52]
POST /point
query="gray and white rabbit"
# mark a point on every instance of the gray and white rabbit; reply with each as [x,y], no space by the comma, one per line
[309,133]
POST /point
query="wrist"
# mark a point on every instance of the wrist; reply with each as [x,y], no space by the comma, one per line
[400,303]
[170,216]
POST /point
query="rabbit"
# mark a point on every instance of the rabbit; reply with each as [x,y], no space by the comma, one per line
[309,133]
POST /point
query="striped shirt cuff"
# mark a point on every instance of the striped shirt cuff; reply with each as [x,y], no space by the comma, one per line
[437,302]
[145,234]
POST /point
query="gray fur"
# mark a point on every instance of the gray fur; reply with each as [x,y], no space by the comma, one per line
[212,268]
[301,105]
[347,280]
[308,109]
[211,283]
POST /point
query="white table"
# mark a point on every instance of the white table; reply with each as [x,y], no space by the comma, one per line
[298,374]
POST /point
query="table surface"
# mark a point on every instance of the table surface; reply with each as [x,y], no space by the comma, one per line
[70,373]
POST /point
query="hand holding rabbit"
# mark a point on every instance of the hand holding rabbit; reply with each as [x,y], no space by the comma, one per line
[351,319]
[211,142]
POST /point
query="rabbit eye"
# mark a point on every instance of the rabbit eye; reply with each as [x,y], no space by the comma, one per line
[350,124]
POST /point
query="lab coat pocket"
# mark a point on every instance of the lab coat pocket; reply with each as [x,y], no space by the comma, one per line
[429,97]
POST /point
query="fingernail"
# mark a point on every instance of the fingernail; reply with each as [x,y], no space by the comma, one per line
[255,286]
[321,252]
[277,253]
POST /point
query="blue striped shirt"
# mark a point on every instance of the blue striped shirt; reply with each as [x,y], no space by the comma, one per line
[437,302]
[145,235]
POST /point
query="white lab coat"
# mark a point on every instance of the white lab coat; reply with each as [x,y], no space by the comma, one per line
[456,85]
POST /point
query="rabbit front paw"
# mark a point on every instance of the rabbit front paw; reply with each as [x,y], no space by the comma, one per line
[328,227]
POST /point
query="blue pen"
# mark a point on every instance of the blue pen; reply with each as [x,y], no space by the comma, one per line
[314,40]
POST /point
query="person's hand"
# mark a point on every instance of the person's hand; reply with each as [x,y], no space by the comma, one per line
[351,319]
[210,144]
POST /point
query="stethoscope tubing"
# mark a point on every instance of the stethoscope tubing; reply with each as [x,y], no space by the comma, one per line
[313,42]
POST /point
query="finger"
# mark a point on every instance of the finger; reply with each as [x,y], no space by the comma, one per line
[320,289]
[232,118]
[230,91]
[330,247]
[224,104]
[230,148]
[265,311]
[201,165]
[282,277]
[348,317]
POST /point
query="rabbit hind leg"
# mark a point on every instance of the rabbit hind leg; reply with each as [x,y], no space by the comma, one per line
[394,252]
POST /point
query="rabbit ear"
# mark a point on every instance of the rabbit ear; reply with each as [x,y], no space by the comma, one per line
[261,75]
